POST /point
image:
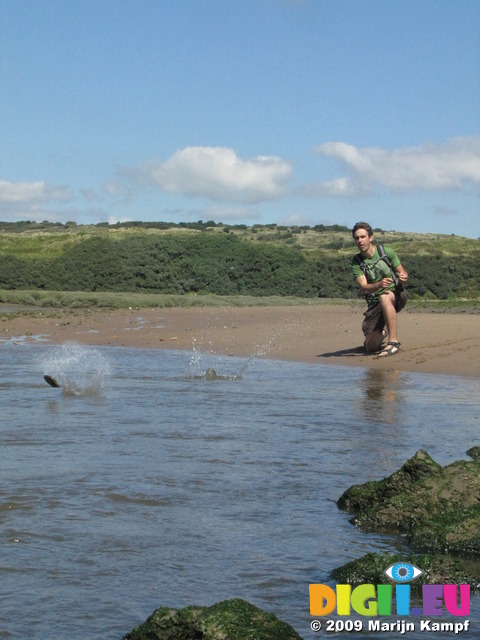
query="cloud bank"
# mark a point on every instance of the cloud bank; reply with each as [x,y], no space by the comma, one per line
[233,184]
[429,167]
[31,192]
[27,199]
[218,174]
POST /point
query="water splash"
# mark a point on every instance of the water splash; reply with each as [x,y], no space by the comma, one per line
[266,348]
[204,358]
[206,365]
[80,370]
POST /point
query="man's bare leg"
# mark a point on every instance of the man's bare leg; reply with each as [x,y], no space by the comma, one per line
[387,301]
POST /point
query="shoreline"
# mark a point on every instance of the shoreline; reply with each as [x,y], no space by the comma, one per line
[327,334]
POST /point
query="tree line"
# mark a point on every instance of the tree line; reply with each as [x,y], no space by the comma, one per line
[219,264]
[21,226]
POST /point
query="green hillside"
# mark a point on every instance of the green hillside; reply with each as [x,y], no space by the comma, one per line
[213,259]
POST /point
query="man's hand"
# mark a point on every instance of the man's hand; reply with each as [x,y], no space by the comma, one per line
[384,283]
[402,275]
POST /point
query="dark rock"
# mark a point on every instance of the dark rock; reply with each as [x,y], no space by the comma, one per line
[437,507]
[228,620]
[370,500]
[437,569]
[474,452]
[453,531]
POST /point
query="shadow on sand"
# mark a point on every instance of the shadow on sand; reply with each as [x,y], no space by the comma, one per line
[353,351]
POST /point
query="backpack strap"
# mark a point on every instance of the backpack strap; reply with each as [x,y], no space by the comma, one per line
[382,256]
[361,263]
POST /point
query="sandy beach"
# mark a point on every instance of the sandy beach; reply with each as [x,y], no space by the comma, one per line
[323,334]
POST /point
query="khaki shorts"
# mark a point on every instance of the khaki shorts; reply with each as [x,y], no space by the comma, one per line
[373,317]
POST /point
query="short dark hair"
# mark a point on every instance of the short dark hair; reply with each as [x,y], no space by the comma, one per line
[363,225]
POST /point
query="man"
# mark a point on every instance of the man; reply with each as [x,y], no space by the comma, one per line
[381,279]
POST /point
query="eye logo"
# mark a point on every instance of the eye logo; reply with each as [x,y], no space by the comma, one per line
[402,572]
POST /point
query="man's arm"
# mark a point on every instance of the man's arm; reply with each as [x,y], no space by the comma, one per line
[384,283]
[401,273]
[371,287]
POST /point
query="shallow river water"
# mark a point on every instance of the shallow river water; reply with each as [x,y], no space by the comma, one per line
[140,483]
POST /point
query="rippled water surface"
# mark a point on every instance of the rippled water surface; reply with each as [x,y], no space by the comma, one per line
[140,483]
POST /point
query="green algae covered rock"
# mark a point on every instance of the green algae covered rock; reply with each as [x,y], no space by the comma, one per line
[437,507]
[455,531]
[438,510]
[474,452]
[380,503]
[228,620]
[437,569]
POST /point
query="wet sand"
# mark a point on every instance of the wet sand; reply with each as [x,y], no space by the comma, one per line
[325,334]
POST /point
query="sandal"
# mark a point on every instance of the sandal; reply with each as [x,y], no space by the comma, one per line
[390,350]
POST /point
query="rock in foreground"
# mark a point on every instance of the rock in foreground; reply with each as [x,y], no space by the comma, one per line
[437,568]
[231,619]
[437,507]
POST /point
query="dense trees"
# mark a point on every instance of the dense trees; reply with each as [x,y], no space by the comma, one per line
[218,263]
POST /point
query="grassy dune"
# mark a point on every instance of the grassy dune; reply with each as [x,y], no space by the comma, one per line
[444,270]
[52,242]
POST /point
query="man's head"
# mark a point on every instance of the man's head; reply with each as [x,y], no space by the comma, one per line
[363,225]
[362,234]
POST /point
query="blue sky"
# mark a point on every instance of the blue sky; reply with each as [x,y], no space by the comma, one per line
[242,111]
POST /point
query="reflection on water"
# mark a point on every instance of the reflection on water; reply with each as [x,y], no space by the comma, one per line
[382,398]
[168,488]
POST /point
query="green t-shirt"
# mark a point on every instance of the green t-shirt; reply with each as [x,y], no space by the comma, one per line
[376,270]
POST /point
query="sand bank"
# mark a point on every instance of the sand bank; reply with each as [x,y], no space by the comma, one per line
[325,334]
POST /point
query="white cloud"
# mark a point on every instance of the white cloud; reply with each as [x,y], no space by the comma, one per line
[115,220]
[429,167]
[31,193]
[340,187]
[31,200]
[296,219]
[219,174]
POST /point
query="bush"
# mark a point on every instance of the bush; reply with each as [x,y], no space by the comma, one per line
[219,263]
